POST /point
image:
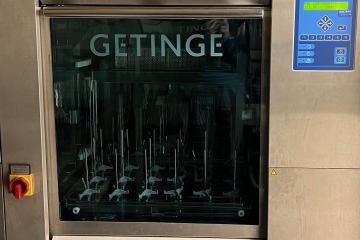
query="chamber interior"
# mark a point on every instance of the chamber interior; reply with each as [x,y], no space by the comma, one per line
[157,134]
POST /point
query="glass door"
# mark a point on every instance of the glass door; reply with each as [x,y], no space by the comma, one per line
[158,120]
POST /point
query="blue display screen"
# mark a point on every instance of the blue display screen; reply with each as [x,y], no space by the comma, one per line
[324,36]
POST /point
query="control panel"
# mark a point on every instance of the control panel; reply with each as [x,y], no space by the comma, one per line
[324,35]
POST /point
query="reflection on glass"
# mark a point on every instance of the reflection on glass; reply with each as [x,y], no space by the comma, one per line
[157,120]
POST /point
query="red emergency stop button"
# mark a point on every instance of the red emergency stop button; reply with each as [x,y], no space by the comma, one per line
[19,186]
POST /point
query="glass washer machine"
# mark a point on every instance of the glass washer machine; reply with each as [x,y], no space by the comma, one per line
[148,119]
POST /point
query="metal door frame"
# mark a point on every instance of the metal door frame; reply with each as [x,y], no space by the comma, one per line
[58,227]
[2,209]
[157,2]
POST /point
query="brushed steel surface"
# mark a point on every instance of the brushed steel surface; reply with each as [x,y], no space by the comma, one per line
[157,2]
[184,230]
[20,116]
[2,213]
[131,238]
[314,116]
[59,228]
[151,12]
[314,204]
[264,120]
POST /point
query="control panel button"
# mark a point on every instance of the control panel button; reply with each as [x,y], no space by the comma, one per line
[325,18]
[328,37]
[325,23]
[321,23]
[325,28]
[312,37]
[345,37]
[341,28]
[306,46]
[329,23]
[306,60]
[306,53]
[320,37]
[340,51]
[304,37]
[337,37]
[340,60]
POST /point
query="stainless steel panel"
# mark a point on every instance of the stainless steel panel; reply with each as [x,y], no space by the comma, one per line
[128,238]
[157,2]
[314,204]
[265,102]
[150,12]
[143,229]
[20,116]
[157,230]
[314,116]
[2,213]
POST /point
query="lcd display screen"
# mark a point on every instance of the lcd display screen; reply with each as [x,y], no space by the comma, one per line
[326,6]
